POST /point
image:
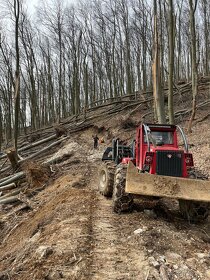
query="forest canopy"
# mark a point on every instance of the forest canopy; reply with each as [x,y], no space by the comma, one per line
[71,56]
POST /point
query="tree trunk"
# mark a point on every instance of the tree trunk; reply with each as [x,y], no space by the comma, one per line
[17,73]
[171,63]
[158,95]
[194,62]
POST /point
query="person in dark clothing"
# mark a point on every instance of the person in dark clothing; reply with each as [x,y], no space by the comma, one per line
[95,141]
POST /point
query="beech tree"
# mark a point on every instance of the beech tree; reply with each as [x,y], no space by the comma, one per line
[170,62]
[17,7]
[157,92]
[193,6]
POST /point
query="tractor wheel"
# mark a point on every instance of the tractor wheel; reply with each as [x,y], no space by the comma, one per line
[122,202]
[194,211]
[106,178]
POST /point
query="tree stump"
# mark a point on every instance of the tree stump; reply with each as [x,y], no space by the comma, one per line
[13,158]
[59,130]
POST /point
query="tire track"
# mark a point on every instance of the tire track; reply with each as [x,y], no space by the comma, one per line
[114,255]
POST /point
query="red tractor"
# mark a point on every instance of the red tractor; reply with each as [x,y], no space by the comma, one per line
[154,165]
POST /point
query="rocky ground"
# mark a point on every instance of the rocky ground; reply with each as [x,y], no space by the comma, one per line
[70,231]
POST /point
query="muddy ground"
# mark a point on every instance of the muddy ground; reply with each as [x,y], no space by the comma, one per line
[69,230]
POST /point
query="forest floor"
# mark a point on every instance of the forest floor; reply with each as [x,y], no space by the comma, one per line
[71,232]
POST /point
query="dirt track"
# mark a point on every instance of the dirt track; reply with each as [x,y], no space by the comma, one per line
[72,233]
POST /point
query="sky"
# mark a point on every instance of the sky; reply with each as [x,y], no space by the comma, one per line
[31,4]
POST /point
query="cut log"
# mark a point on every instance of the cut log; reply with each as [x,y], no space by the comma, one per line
[12,178]
[15,192]
[42,150]
[36,154]
[3,164]
[29,146]
[8,187]
[61,158]
[8,200]
[8,168]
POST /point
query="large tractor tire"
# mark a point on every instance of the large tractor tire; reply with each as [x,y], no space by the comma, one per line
[194,211]
[122,202]
[106,178]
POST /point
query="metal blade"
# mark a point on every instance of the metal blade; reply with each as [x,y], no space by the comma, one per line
[166,186]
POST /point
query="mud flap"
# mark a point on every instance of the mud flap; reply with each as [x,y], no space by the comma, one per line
[166,186]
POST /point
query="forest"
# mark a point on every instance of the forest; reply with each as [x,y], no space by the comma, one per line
[65,58]
[75,71]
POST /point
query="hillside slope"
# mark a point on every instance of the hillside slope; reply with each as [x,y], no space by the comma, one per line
[69,231]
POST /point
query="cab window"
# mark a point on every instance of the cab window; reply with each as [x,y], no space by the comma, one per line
[164,137]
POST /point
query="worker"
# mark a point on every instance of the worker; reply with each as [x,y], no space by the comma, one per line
[95,141]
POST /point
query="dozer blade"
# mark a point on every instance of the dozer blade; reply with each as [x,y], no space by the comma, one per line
[166,186]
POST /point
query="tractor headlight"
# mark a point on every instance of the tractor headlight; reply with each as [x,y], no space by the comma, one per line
[189,160]
[149,158]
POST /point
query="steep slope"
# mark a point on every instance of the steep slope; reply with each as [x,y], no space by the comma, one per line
[70,231]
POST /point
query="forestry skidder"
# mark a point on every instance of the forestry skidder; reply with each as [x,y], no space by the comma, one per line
[154,166]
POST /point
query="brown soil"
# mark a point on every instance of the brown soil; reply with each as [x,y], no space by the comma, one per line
[70,231]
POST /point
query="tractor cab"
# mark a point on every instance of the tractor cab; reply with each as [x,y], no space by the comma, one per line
[157,150]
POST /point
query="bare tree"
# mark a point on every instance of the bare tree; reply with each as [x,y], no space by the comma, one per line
[171,62]
[97,50]
[158,95]
[52,17]
[16,8]
[205,16]
[193,6]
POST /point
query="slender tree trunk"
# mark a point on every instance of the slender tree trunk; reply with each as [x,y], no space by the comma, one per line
[193,61]
[171,63]
[17,73]
[179,43]
[158,96]
[206,37]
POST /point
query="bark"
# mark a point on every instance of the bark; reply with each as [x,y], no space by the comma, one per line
[12,178]
[42,150]
[32,145]
[206,36]
[13,158]
[9,200]
[8,187]
[12,193]
[171,63]
[158,95]
[17,72]
[194,73]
